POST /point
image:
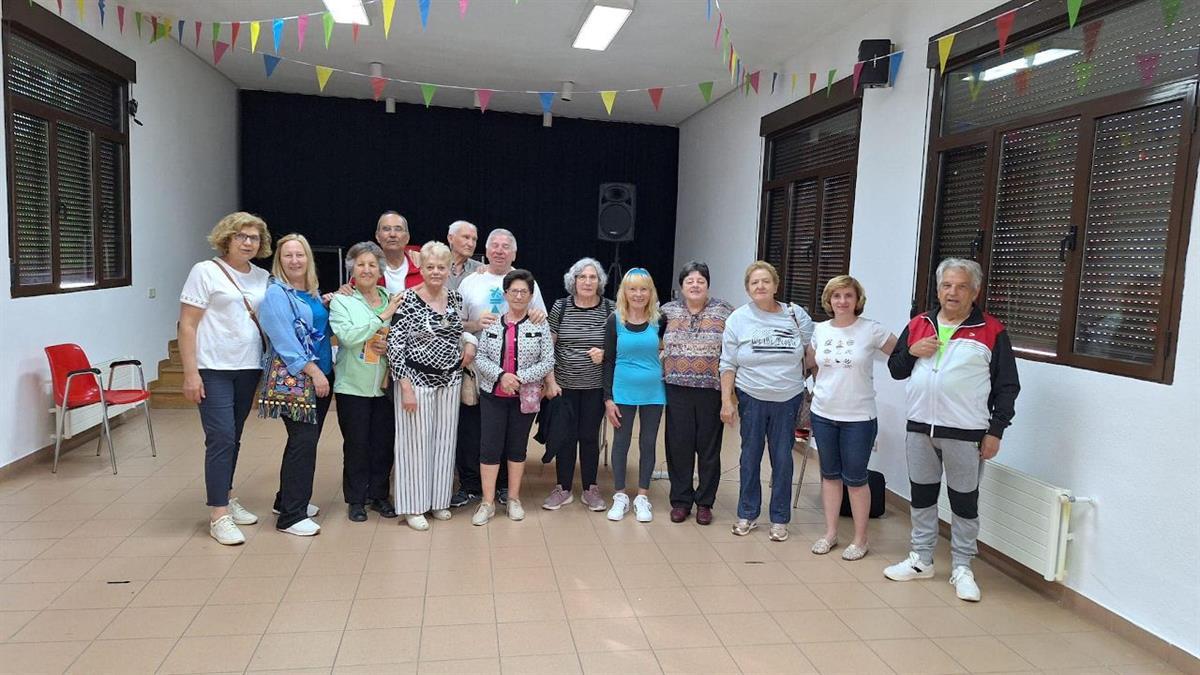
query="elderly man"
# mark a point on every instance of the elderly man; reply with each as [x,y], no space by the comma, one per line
[403,268]
[483,304]
[962,388]
[462,238]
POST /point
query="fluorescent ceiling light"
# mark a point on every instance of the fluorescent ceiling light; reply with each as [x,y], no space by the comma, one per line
[1010,68]
[347,11]
[602,24]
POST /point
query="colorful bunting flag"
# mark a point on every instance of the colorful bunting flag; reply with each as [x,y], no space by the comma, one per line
[812,83]
[894,67]
[1021,82]
[720,25]
[180,31]
[137,18]
[706,91]
[269,63]
[609,97]
[157,30]
[219,49]
[1091,37]
[708,13]
[354,32]
[254,31]
[829,84]
[655,96]
[1031,52]
[975,81]
[323,74]
[795,76]
[485,97]
[944,44]
[754,80]
[1148,65]
[197,34]
[389,6]
[1083,73]
[100,6]
[234,29]
[121,19]
[327,19]
[462,8]
[216,32]
[301,29]
[1004,26]
[277,33]
[427,91]
[377,85]
[59,6]
[423,5]
[79,9]
[1073,12]
[547,98]
[857,75]
[1170,9]
[774,78]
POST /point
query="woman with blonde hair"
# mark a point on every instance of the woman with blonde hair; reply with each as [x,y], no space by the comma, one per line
[633,386]
[221,347]
[843,351]
[297,369]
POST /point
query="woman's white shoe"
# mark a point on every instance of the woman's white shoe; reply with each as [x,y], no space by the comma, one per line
[417,522]
[305,528]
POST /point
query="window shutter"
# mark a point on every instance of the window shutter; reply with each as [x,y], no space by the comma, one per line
[835,237]
[826,142]
[112,211]
[1033,220]
[776,224]
[1125,240]
[48,77]
[30,161]
[798,282]
[74,207]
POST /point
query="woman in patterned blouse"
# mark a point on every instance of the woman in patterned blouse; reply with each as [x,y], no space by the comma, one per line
[426,353]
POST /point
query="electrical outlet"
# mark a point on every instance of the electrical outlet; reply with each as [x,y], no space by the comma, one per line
[153,293]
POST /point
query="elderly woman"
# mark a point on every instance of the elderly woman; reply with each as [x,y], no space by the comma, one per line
[221,348]
[427,357]
[691,359]
[762,379]
[365,415]
[843,350]
[577,325]
[514,356]
[633,386]
[297,323]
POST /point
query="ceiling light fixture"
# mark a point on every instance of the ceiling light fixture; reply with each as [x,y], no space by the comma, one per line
[603,21]
[568,90]
[1012,67]
[347,11]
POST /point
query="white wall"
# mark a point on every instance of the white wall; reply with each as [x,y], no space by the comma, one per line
[183,178]
[1121,440]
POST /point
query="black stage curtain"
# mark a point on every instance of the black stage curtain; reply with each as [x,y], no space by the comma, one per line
[327,167]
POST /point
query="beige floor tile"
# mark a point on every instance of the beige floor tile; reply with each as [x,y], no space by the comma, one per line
[752,628]
[24,549]
[196,567]
[368,613]
[135,547]
[515,557]
[177,592]
[583,554]
[601,604]
[531,638]
[847,595]
[670,632]
[218,620]
[701,552]
[16,597]
[149,622]
[785,597]
[608,635]
[816,625]
[126,569]
[107,528]
[821,570]
[451,582]
[701,575]
[379,646]
[250,590]
[442,643]
[771,659]
[316,589]
[626,663]
[534,606]
[296,650]
[843,657]
[408,560]
[7,567]
[1050,650]
[332,564]
[123,656]
[11,622]
[44,570]
[725,599]
[702,660]
[264,565]
[586,577]
[523,579]
[43,657]
[937,622]
[456,610]
[229,653]
[1156,668]
[983,654]
[645,553]
[99,595]
[460,666]
[397,585]
[661,601]
[82,547]
[1109,649]
[914,656]
[904,595]
[877,624]
[542,664]
[310,617]
[49,529]
[66,625]
[653,575]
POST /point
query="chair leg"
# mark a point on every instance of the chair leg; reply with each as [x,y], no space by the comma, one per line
[149,427]
[61,413]
[99,444]
[803,466]
[112,454]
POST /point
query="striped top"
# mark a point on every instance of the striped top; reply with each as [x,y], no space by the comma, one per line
[576,330]
[692,344]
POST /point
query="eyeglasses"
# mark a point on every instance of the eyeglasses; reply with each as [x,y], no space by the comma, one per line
[393,230]
[518,292]
[587,277]
[247,238]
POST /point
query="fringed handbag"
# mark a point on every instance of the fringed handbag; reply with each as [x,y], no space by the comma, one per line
[281,393]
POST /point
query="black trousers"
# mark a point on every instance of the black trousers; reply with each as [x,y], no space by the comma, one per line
[693,437]
[466,454]
[298,465]
[505,430]
[368,427]
[588,405]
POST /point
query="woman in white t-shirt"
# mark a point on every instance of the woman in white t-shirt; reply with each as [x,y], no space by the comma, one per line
[221,347]
[843,353]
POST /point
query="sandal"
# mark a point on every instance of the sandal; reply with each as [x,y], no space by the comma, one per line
[854,552]
[823,545]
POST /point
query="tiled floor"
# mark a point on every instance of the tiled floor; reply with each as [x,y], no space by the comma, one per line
[103,573]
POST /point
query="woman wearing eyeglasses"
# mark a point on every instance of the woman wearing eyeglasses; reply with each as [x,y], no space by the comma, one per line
[221,348]
[633,386]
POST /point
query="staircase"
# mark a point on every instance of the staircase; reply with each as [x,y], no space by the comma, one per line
[167,390]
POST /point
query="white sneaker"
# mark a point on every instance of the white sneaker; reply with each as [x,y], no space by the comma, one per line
[483,514]
[515,510]
[643,509]
[225,531]
[743,527]
[240,515]
[778,532]
[441,514]
[304,528]
[908,569]
[313,510]
[964,583]
[416,521]
[620,506]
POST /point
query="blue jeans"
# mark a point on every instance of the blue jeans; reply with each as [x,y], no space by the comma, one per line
[844,448]
[775,423]
[228,398]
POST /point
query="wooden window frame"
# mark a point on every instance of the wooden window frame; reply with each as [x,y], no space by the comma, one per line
[36,24]
[1047,17]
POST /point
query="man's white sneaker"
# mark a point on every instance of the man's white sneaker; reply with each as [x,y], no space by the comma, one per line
[964,584]
[417,522]
[743,527]
[908,569]
[778,532]
[240,515]
[620,506]
[515,510]
[643,509]
[225,531]
[313,510]
[305,528]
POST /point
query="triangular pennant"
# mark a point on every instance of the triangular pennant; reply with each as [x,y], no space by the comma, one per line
[1091,38]
[1073,12]
[975,81]
[160,29]
[277,33]
[100,7]
[327,20]
[269,63]
[829,83]
[795,76]
[121,19]
[255,28]
[423,6]
[944,44]
[377,85]
[812,83]
[1083,73]
[708,12]
[655,96]
[301,29]
[1021,82]
[609,97]
[462,8]
[219,49]
[1170,9]
[79,9]
[234,29]
[137,19]
[720,25]
[59,7]
[1004,26]
[706,91]
[745,85]
[774,79]
[1147,66]
[857,75]
[1031,52]
[427,91]
[894,67]
[484,96]
[547,98]
[323,73]
[216,32]
[389,6]
[754,80]
[354,32]
[180,31]
[198,24]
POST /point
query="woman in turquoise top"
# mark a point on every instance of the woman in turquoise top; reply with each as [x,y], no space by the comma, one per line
[633,385]
[297,323]
[365,415]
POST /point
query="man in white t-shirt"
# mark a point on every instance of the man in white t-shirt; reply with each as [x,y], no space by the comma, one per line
[402,268]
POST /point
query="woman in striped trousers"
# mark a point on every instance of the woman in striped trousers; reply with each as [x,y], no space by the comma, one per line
[427,354]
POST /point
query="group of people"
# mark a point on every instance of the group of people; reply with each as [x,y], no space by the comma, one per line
[442,364]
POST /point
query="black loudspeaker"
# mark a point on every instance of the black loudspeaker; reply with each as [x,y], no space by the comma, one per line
[875,69]
[618,208]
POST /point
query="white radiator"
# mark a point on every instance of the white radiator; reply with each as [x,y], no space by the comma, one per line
[82,419]
[1022,517]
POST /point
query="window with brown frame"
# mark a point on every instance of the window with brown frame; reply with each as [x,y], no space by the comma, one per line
[808,205]
[1066,168]
[68,157]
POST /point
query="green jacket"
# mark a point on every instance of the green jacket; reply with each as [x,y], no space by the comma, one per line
[353,323]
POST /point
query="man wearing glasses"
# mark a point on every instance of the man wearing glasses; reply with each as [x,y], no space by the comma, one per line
[403,269]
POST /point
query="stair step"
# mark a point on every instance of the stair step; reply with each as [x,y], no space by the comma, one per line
[170,400]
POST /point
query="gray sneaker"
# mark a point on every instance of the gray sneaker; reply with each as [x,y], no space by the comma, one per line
[592,499]
[558,498]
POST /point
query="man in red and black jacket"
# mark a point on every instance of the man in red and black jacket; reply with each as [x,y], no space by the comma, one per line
[962,388]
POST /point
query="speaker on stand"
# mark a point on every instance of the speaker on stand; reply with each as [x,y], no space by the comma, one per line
[615,220]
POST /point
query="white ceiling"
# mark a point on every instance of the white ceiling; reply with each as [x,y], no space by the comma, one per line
[521,46]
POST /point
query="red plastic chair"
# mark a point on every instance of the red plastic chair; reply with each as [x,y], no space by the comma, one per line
[77,384]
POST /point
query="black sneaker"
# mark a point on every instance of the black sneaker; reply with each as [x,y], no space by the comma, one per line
[502,496]
[462,498]
[358,513]
[383,506]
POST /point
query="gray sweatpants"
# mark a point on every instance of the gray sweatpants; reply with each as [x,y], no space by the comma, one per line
[926,458]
